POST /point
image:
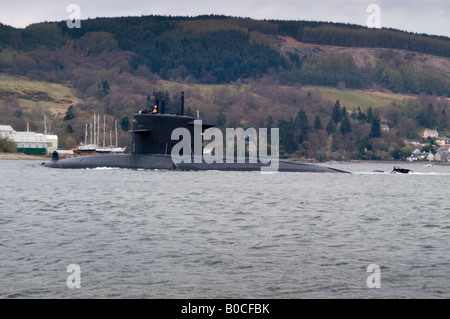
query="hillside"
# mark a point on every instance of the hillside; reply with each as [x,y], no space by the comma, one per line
[54,98]
[219,49]
[362,56]
[236,71]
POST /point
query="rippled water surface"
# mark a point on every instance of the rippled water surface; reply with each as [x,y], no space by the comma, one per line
[165,234]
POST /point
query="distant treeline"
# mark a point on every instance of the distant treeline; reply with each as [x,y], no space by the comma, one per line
[391,72]
[147,29]
[177,47]
[348,35]
[218,49]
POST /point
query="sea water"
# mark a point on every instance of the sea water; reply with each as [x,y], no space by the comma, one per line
[211,234]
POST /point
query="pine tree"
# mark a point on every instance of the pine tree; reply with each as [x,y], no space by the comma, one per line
[125,123]
[346,127]
[361,115]
[337,113]
[287,141]
[317,123]
[105,87]
[369,115]
[442,125]
[302,124]
[331,127]
[70,115]
[375,131]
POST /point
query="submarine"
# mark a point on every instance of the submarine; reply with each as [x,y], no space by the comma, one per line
[152,146]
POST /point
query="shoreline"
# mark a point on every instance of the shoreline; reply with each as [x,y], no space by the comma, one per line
[21,156]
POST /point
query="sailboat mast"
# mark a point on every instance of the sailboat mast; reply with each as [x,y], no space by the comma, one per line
[95,131]
[115,124]
[98,130]
[104,129]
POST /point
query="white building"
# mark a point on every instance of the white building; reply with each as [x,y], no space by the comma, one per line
[52,143]
[29,142]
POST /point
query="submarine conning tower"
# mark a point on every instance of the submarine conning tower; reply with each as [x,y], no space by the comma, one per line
[152,129]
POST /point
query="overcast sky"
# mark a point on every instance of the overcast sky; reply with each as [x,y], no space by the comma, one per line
[420,16]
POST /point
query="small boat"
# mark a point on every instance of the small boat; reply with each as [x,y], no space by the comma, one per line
[109,150]
[84,149]
[401,170]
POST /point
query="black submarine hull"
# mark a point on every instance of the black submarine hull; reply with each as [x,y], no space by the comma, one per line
[153,143]
[164,162]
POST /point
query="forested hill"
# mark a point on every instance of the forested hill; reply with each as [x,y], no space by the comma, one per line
[220,49]
[327,87]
